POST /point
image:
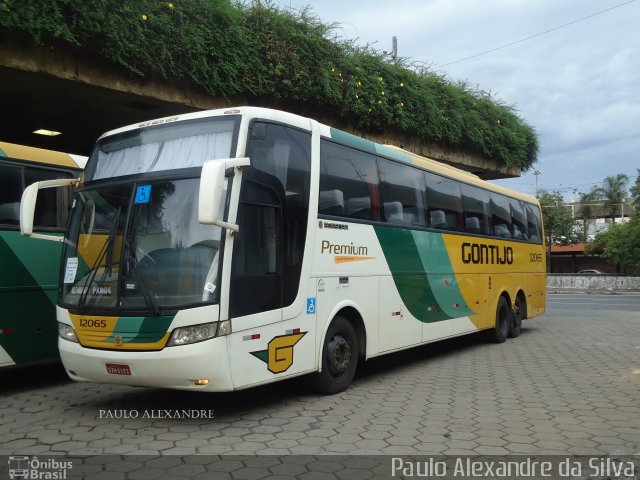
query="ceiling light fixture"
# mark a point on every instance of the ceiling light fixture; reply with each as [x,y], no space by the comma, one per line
[48,133]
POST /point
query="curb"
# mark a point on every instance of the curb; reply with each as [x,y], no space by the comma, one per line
[553,291]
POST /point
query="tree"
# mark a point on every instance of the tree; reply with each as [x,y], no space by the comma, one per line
[620,245]
[635,193]
[613,191]
[559,225]
[586,211]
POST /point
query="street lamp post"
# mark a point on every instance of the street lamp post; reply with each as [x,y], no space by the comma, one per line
[536,173]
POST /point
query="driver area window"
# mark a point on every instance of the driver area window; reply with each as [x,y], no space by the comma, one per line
[257,272]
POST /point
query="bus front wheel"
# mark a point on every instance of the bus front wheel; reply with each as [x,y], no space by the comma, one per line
[339,358]
[503,321]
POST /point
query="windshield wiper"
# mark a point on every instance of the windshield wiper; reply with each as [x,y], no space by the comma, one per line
[130,264]
[107,251]
[111,242]
[91,276]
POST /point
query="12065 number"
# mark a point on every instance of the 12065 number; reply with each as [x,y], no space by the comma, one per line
[91,323]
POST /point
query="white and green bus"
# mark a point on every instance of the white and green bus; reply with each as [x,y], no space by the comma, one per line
[29,267]
[225,249]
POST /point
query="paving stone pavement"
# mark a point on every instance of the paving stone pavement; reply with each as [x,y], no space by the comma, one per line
[567,385]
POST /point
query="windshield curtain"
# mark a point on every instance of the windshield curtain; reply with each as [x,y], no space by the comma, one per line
[164,147]
[140,247]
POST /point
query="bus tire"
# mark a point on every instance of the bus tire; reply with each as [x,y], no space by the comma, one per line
[519,314]
[503,321]
[339,358]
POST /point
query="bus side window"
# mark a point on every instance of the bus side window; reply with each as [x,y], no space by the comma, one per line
[445,202]
[403,193]
[258,246]
[10,194]
[348,182]
[475,203]
[256,277]
[500,215]
[534,223]
[331,202]
[52,206]
[519,228]
[285,153]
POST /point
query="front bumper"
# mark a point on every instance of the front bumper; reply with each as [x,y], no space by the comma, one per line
[172,367]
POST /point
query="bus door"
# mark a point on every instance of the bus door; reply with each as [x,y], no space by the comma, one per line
[256,278]
[262,345]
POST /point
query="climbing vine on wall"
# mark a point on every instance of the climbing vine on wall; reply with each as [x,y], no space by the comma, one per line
[291,59]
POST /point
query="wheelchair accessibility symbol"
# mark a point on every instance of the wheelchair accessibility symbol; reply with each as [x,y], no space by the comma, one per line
[143,194]
[311,306]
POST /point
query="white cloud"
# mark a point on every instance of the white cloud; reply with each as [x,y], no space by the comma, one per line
[576,85]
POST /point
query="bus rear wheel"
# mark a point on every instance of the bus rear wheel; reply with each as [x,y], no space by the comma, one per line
[339,358]
[503,321]
[519,314]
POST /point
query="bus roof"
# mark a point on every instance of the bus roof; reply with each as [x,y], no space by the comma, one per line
[425,163]
[390,151]
[33,154]
[464,176]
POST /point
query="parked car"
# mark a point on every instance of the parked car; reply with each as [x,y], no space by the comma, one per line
[591,271]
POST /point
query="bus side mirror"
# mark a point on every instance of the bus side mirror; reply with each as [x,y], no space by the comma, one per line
[28,206]
[212,190]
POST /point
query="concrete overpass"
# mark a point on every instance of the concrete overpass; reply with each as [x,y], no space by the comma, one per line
[81,97]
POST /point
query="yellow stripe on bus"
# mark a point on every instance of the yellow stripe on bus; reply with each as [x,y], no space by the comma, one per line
[33,154]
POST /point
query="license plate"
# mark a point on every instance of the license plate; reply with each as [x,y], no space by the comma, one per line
[118,369]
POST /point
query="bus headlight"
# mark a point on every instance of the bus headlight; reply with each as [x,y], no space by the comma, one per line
[193,334]
[66,331]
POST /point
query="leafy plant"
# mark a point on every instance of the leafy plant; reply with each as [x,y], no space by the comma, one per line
[635,193]
[620,245]
[559,225]
[586,209]
[613,192]
[258,53]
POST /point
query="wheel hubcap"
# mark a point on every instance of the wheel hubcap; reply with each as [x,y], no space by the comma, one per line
[338,355]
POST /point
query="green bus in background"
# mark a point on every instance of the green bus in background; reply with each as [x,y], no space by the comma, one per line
[29,267]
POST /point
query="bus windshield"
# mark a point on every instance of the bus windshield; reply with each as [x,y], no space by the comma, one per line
[168,146]
[139,246]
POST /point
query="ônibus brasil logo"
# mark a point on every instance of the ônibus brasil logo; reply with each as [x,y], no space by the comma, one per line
[32,468]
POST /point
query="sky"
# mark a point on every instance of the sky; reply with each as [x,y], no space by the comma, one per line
[578,84]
